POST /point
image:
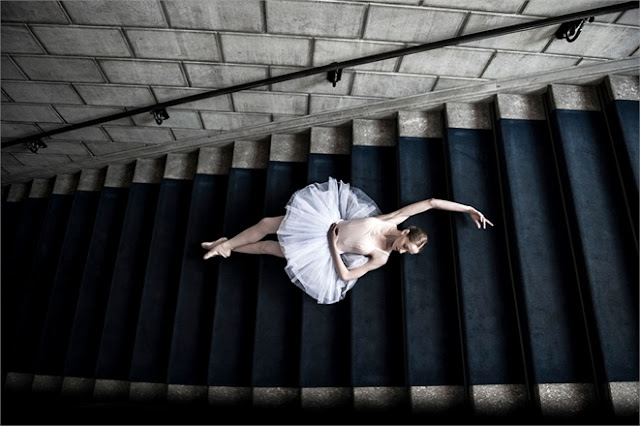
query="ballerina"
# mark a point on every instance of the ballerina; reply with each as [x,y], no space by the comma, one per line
[333,234]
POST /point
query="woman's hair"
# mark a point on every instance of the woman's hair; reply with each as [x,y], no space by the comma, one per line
[418,237]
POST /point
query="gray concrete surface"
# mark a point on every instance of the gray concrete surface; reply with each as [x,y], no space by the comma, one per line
[119,54]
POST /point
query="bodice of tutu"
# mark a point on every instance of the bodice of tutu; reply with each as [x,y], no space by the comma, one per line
[361,235]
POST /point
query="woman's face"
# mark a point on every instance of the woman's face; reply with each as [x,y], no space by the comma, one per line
[403,245]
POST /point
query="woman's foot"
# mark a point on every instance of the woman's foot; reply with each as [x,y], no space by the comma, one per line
[220,247]
[209,246]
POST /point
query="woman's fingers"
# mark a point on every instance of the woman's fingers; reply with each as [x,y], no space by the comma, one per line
[331,231]
[482,222]
[485,221]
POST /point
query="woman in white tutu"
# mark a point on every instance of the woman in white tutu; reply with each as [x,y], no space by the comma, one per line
[332,234]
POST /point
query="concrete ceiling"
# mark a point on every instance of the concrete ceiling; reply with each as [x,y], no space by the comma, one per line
[65,62]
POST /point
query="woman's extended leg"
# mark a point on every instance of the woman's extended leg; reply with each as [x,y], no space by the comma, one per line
[253,234]
[261,247]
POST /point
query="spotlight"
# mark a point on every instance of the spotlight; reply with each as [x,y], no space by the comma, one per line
[334,76]
[35,144]
[571,30]
[160,115]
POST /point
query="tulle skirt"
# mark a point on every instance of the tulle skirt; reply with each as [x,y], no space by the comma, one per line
[303,236]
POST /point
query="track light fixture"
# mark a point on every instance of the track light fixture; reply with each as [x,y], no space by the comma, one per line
[35,144]
[571,30]
[334,76]
[160,115]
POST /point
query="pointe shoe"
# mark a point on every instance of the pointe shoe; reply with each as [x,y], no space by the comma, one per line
[212,249]
[212,244]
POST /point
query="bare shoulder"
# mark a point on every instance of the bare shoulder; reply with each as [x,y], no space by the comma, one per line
[382,217]
[385,220]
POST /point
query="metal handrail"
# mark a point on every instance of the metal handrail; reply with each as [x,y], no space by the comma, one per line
[335,67]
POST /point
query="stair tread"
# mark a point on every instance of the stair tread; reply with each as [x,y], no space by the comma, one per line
[88,323]
[66,286]
[158,303]
[231,354]
[609,256]
[39,282]
[277,333]
[377,351]
[118,334]
[430,306]
[325,339]
[191,342]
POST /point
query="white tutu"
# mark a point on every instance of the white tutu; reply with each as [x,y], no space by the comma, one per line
[303,236]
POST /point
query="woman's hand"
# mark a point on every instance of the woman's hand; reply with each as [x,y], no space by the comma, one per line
[332,235]
[478,218]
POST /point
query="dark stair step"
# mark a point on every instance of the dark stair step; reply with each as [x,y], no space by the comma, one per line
[39,277]
[276,359]
[58,322]
[11,212]
[25,209]
[232,340]
[377,338]
[492,349]
[325,369]
[158,304]
[622,112]
[601,233]
[189,358]
[432,327]
[543,266]
[88,324]
[119,332]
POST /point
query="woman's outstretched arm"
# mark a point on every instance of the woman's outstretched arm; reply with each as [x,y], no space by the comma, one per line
[375,261]
[400,215]
[476,216]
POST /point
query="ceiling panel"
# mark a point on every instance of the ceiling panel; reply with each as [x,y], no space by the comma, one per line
[120,13]
[315,18]
[105,54]
[411,24]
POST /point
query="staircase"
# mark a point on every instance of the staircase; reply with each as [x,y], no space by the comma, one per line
[110,315]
